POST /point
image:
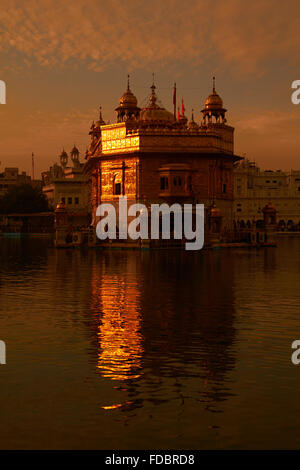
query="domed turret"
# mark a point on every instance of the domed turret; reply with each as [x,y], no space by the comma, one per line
[63,158]
[75,155]
[214,101]
[127,108]
[214,108]
[100,121]
[74,151]
[128,100]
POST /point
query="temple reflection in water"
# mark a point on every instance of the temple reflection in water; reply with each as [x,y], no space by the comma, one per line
[153,317]
[116,299]
[149,350]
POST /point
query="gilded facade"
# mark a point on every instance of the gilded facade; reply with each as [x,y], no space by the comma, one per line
[151,156]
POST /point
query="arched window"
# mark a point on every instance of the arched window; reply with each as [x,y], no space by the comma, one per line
[117,185]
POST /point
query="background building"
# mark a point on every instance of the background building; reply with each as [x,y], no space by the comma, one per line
[67,184]
[254,189]
[11,177]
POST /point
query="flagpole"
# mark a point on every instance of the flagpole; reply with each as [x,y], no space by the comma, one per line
[32,166]
[174,101]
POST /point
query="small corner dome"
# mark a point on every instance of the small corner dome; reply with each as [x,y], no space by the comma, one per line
[63,154]
[74,150]
[214,101]
[128,99]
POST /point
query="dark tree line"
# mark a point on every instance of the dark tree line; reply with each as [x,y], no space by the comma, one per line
[23,198]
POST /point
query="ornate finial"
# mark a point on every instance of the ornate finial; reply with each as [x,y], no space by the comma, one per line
[128,77]
[153,86]
[100,113]
[192,125]
[214,84]
[153,95]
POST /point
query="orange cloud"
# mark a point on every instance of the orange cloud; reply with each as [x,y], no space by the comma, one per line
[273,135]
[240,36]
[238,33]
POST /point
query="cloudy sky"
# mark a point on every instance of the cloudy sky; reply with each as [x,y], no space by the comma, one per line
[61,60]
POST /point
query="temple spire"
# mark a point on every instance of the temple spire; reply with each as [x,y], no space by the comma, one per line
[214,84]
[153,95]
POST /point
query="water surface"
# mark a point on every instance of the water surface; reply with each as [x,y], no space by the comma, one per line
[149,350]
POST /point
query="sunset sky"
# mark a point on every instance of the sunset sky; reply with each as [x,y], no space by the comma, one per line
[61,60]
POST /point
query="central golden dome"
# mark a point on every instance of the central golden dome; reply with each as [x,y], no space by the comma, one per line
[154,112]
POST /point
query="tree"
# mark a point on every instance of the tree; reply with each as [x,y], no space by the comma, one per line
[23,198]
